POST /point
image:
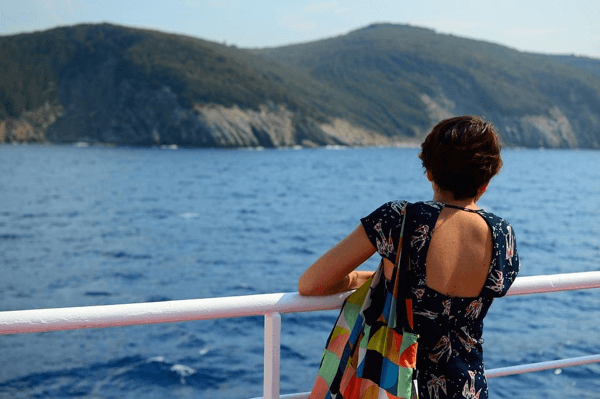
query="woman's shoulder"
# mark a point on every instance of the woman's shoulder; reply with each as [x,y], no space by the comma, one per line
[392,209]
[498,224]
[506,265]
[390,213]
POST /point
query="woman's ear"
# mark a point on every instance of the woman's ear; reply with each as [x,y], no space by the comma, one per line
[429,175]
[482,190]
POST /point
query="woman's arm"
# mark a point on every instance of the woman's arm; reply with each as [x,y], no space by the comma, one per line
[334,271]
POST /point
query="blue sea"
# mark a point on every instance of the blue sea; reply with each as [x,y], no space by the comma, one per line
[91,225]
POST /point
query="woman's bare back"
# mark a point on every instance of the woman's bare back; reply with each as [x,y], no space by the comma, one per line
[460,253]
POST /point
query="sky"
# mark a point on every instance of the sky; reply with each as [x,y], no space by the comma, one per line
[541,26]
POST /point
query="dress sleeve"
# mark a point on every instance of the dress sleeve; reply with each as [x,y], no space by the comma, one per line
[505,265]
[383,227]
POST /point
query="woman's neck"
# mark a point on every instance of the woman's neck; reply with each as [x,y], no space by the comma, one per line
[448,198]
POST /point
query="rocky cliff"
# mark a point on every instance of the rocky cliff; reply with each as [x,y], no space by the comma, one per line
[399,78]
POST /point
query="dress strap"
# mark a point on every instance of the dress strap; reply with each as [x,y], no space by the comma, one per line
[462,208]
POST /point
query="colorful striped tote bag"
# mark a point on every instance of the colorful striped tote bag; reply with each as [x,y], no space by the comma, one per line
[371,351]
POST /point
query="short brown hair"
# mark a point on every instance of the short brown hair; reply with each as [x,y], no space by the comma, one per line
[462,154]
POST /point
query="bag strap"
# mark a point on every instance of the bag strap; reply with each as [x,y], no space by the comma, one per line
[400,274]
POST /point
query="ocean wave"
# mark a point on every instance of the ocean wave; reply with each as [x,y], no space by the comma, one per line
[34,215]
[126,255]
[14,236]
[241,287]
[155,377]
[189,215]
[158,298]
[128,276]
[97,293]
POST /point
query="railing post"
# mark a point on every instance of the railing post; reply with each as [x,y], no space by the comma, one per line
[272,355]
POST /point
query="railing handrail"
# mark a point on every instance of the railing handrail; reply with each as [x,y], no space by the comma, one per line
[503,371]
[269,305]
[41,320]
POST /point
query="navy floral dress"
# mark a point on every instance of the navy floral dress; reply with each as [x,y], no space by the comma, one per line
[450,355]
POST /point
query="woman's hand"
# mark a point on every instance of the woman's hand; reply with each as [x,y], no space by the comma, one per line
[358,278]
[334,271]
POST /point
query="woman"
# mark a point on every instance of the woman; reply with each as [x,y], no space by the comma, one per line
[461,257]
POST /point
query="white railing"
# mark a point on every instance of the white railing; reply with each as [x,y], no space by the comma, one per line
[269,305]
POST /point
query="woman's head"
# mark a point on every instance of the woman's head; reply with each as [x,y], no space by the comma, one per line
[462,154]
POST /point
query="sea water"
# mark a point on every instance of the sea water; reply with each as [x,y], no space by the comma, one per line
[91,225]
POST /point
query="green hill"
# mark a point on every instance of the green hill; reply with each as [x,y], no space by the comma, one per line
[402,78]
[377,85]
[109,83]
